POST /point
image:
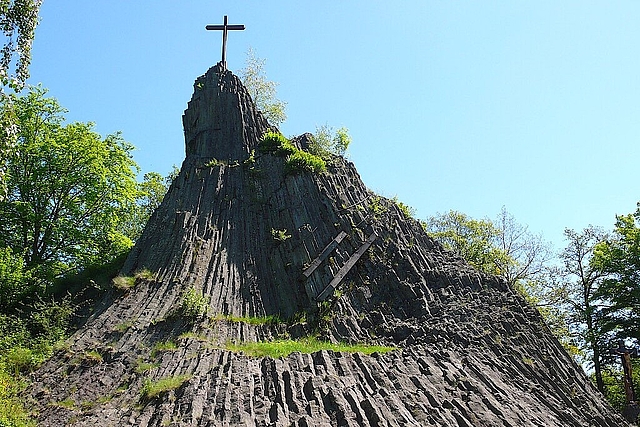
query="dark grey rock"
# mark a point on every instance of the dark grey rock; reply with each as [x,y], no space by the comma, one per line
[471,352]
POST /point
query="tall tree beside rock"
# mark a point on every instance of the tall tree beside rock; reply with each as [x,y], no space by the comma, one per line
[582,297]
[18,21]
[619,256]
[472,239]
[502,246]
[506,248]
[67,189]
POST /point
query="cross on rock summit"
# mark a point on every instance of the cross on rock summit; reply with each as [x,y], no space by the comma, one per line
[224,27]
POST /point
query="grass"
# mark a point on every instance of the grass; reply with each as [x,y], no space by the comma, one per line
[282,348]
[276,143]
[124,283]
[213,162]
[144,274]
[249,320]
[66,404]
[123,327]
[142,366]
[92,356]
[152,389]
[163,346]
[280,235]
[12,412]
[301,161]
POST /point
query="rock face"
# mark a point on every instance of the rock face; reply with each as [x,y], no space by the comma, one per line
[238,230]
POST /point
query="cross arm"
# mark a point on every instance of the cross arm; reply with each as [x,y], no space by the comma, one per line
[222,27]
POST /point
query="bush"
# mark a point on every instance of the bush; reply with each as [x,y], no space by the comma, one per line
[194,304]
[301,161]
[276,143]
[12,413]
[297,160]
[14,279]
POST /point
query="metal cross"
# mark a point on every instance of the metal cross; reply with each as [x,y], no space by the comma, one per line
[224,27]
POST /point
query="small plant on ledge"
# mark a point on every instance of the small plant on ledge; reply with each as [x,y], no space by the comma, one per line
[280,235]
[297,160]
[194,304]
[153,389]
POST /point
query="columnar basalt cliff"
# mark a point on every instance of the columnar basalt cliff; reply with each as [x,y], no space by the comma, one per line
[320,254]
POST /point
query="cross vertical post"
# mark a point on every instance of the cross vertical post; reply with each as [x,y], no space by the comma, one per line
[225,27]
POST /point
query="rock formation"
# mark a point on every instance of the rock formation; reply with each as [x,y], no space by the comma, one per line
[261,243]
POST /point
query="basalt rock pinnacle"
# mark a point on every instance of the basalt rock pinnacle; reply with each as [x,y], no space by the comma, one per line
[260,243]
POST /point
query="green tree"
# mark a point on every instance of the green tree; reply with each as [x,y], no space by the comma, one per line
[149,195]
[262,90]
[328,141]
[67,189]
[18,20]
[581,296]
[505,248]
[474,240]
[618,256]
[502,247]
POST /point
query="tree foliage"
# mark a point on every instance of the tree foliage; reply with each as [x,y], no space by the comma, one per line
[474,240]
[579,287]
[18,20]
[328,141]
[619,257]
[148,196]
[505,248]
[67,190]
[262,90]
[15,281]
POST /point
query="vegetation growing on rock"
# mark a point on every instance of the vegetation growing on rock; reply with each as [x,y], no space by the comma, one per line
[296,160]
[282,348]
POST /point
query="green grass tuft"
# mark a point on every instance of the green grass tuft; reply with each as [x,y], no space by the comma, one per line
[301,161]
[250,320]
[163,346]
[297,160]
[276,143]
[142,366]
[124,283]
[144,274]
[282,348]
[152,389]
[92,356]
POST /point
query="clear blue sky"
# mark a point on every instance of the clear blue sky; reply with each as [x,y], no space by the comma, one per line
[462,105]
